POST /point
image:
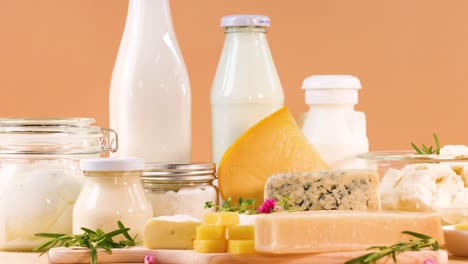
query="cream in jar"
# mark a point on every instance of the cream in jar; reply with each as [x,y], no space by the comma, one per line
[112,192]
[180,188]
[40,177]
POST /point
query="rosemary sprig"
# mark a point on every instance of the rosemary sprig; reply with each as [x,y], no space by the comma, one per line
[93,240]
[428,150]
[243,206]
[421,241]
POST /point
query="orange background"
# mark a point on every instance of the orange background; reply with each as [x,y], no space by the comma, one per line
[56,59]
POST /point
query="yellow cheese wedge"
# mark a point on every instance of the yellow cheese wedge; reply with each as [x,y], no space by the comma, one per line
[461,226]
[221,218]
[241,246]
[274,145]
[241,232]
[339,230]
[209,246]
[211,232]
[170,232]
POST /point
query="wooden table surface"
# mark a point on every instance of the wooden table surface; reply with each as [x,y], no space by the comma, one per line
[33,258]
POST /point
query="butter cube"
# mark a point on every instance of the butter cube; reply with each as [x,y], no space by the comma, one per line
[241,232]
[209,246]
[241,246]
[222,218]
[211,232]
[170,232]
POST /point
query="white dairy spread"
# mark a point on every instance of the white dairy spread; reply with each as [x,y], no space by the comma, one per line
[36,197]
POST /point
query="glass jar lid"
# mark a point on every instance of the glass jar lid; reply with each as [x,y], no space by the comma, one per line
[54,136]
[198,172]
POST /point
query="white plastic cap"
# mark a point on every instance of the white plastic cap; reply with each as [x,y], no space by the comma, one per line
[112,164]
[245,21]
[331,89]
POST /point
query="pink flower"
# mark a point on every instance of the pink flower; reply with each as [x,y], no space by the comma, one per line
[430,261]
[150,259]
[268,206]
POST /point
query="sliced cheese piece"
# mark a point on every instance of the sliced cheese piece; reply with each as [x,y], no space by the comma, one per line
[241,247]
[327,190]
[210,246]
[170,232]
[274,145]
[240,232]
[334,231]
[221,218]
[211,232]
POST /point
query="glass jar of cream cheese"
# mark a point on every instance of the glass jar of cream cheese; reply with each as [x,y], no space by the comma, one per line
[180,188]
[40,177]
[112,192]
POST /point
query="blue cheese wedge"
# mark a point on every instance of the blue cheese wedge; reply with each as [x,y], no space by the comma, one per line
[327,190]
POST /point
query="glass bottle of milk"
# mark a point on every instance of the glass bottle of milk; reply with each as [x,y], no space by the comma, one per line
[336,130]
[246,87]
[150,100]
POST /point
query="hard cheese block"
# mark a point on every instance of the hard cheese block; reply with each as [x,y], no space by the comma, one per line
[334,231]
[170,232]
[327,190]
[274,145]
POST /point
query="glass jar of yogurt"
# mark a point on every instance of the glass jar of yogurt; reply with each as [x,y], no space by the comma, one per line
[40,177]
[180,188]
[112,192]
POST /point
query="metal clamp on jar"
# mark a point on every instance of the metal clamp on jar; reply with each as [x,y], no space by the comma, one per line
[40,176]
[180,188]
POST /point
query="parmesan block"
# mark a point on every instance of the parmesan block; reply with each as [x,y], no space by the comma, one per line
[327,190]
[335,231]
[170,232]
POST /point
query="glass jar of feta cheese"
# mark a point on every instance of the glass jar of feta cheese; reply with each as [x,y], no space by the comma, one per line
[40,177]
[180,188]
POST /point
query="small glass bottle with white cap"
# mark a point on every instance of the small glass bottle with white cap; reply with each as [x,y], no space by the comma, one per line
[336,130]
[246,87]
[112,192]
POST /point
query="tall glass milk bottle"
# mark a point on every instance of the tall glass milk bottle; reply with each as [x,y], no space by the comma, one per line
[246,87]
[150,100]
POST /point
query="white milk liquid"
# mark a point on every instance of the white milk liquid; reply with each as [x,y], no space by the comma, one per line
[232,120]
[246,88]
[150,100]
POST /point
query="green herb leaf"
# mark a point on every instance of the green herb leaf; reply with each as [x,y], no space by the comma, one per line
[428,150]
[421,241]
[436,139]
[93,240]
[244,205]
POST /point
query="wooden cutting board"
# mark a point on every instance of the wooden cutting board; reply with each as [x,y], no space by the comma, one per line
[137,254]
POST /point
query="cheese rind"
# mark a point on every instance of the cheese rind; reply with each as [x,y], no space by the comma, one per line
[334,231]
[170,232]
[327,190]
